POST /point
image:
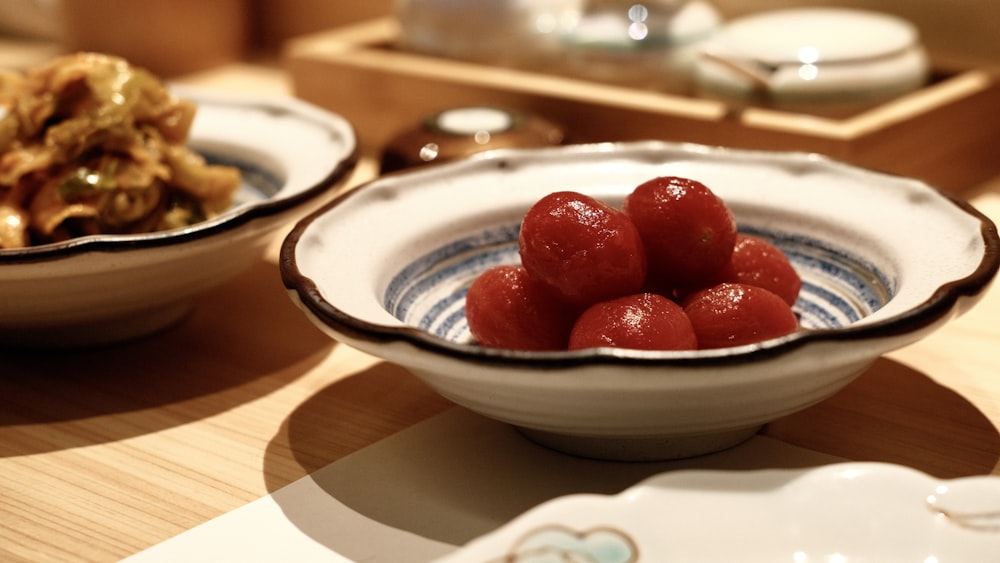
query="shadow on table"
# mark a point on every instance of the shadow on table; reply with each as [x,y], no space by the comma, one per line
[874,418]
[242,341]
[460,475]
[349,415]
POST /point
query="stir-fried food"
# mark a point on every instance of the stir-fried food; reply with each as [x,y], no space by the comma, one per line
[91,144]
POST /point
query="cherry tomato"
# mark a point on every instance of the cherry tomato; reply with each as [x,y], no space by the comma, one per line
[586,250]
[644,321]
[506,308]
[734,314]
[687,230]
[756,261]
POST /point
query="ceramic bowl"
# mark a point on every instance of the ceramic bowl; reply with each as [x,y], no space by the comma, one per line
[640,45]
[800,55]
[884,260]
[499,32]
[107,288]
[458,132]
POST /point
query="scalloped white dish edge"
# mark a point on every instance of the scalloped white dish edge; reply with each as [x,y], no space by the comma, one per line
[844,512]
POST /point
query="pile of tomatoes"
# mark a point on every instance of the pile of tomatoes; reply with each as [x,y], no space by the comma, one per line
[667,271]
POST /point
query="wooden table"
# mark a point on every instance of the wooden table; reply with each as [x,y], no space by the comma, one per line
[107,452]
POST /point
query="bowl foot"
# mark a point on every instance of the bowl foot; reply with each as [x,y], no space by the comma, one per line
[96,332]
[651,448]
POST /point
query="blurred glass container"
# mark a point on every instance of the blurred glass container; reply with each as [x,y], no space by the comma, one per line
[518,33]
[459,132]
[812,56]
[645,44]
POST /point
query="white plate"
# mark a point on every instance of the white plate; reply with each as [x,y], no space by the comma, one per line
[838,513]
[802,52]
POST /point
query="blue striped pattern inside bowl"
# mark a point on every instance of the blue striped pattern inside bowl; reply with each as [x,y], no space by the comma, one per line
[838,289]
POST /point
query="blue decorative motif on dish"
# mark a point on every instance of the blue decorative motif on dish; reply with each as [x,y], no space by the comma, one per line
[555,543]
[259,183]
[839,288]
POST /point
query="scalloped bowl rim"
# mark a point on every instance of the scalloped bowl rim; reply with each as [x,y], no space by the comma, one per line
[897,330]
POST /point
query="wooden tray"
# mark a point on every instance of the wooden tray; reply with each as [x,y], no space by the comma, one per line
[947,133]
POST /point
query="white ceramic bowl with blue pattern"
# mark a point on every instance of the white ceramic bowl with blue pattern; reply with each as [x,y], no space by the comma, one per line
[884,261]
[103,289]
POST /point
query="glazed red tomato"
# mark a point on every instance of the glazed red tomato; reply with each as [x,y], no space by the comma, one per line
[673,237]
[644,321]
[756,261]
[734,314]
[506,308]
[688,232]
[586,250]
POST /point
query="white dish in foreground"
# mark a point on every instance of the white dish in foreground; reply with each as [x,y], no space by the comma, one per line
[845,512]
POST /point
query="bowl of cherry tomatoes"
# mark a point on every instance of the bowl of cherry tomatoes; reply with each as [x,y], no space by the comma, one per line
[638,300]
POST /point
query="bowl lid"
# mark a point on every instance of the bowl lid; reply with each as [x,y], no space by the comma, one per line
[815,35]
